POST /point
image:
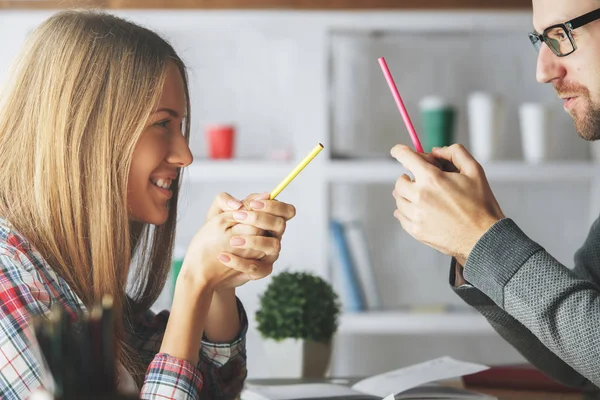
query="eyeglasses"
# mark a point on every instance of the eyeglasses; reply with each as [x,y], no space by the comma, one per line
[559,37]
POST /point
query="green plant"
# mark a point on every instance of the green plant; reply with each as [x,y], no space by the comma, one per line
[298,305]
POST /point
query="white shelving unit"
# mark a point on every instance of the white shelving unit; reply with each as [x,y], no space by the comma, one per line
[310,123]
[385,171]
[217,170]
[402,323]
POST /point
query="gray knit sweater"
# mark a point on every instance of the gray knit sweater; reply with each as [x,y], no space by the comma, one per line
[548,312]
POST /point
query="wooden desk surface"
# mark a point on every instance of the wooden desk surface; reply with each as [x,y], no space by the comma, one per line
[501,394]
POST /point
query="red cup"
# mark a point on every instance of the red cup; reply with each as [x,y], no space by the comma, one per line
[221,139]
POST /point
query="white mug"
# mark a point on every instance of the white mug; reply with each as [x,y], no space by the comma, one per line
[486,125]
[595,151]
[535,124]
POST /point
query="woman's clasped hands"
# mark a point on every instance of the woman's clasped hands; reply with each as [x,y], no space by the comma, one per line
[239,241]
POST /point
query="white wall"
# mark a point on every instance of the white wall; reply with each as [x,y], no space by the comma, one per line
[270,73]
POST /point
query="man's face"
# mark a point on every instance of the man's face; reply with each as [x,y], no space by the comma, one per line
[576,77]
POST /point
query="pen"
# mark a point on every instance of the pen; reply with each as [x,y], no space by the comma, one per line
[57,359]
[296,171]
[400,104]
[94,328]
[108,345]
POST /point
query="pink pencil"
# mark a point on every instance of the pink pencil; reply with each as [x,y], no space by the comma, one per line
[400,104]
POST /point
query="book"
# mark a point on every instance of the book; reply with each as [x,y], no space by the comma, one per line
[352,294]
[517,376]
[361,259]
[419,381]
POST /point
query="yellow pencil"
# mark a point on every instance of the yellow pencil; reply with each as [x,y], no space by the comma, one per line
[296,170]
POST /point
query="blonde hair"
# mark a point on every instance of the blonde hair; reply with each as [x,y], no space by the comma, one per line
[79,97]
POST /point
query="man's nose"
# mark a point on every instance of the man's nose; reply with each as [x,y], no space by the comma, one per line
[549,66]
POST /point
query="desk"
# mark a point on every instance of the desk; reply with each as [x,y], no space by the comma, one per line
[501,394]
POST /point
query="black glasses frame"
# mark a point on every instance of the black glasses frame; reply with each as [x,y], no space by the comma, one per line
[568,27]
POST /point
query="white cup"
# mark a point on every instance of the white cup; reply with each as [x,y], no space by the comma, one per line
[486,125]
[595,151]
[535,123]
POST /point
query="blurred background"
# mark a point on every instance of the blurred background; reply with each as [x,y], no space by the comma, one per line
[280,76]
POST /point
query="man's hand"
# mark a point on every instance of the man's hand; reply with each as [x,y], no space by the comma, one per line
[448,211]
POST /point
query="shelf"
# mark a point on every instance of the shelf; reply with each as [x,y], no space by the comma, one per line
[281,4]
[382,171]
[228,170]
[522,172]
[380,323]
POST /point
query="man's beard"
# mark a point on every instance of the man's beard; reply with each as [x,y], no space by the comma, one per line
[588,125]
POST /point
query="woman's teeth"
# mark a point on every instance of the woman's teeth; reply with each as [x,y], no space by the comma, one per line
[162,183]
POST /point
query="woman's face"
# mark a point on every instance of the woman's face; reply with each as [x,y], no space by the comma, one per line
[160,153]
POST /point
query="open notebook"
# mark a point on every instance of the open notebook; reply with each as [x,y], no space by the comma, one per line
[413,382]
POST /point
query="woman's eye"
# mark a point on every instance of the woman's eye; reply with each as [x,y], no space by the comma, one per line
[162,124]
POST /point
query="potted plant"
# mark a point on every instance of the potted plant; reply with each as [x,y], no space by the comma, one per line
[298,318]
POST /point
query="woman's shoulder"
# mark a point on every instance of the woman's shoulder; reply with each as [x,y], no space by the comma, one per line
[16,251]
[24,270]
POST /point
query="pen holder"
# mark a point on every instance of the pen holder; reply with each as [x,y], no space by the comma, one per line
[79,355]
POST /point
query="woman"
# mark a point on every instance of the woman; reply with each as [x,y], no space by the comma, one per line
[94,128]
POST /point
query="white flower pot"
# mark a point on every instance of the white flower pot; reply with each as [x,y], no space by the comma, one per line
[296,358]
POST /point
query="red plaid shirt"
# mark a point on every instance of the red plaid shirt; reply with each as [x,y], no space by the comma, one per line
[28,286]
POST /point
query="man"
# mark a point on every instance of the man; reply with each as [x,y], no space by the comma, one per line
[551,314]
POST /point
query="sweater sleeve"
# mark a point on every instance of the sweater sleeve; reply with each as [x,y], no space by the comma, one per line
[548,312]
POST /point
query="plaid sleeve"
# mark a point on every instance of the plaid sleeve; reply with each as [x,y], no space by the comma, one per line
[171,378]
[145,334]
[222,365]
[22,295]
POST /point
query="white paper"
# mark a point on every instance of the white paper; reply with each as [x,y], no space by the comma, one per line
[402,379]
[390,397]
[301,391]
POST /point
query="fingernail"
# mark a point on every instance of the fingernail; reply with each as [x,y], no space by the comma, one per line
[240,215]
[257,204]
[224,258]
[265,196]
[237,241]
[234,204]
[394,192]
